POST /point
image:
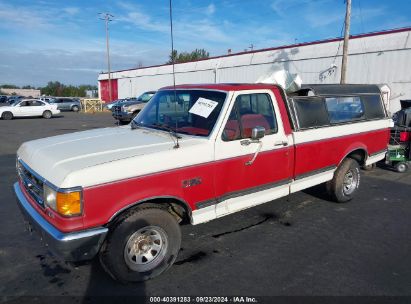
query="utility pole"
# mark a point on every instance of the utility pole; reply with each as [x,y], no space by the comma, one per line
[346,40]
[107,17]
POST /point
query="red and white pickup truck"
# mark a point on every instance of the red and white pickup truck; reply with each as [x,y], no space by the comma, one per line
[194,154]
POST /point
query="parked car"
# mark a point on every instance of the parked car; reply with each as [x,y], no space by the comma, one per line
[48,99]
[121,193]
[125,111]
[3,98]
[28,108]
[110,105]
[67,104]
[13,99]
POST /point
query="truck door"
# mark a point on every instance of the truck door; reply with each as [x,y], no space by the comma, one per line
[251,172]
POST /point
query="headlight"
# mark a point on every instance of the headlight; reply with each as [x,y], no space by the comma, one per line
[64,203]
[126,109]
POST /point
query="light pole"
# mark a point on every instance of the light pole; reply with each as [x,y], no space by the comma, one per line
[346,40]
[107,17]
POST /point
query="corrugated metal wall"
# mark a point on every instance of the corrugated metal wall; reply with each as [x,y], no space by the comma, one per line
[374,59]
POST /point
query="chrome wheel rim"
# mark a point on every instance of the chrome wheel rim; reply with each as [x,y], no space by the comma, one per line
[146,248]
[401,167]
[350,182]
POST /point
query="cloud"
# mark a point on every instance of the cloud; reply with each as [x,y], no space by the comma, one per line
[22,17]
[71,10]
[283,7]
[137,17]
[322,19]
[200,29]
[210,9]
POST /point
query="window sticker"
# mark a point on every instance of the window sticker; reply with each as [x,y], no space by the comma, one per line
[203,107]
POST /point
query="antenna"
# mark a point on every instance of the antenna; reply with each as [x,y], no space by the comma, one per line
[173,63]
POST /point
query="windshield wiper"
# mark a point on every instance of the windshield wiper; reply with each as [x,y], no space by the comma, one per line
[166,128]
[170,131]
[135,125]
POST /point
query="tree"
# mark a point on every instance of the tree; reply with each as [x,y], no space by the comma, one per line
[9,86]
[55,88]
[197,54]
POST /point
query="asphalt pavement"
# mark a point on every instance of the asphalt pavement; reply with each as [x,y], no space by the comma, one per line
[302,245]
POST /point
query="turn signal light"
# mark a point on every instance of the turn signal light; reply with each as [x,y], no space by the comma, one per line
[68,204]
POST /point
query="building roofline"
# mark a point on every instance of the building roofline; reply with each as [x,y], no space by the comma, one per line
[369,34]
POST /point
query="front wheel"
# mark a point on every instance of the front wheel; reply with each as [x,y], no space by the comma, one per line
[142,245]
[47,114]
[7,115]
[75,108]
[401,167]
[345,182]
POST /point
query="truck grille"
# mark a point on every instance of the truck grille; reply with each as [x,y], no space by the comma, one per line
[31,182]
[116,109]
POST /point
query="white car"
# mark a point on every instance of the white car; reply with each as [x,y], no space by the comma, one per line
[28,108]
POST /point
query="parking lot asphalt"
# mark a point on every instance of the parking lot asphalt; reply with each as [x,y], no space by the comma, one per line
[299,245]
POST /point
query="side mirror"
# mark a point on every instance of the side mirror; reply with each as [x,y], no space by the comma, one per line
[257,133]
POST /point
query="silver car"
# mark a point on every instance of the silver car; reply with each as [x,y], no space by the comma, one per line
[67,104]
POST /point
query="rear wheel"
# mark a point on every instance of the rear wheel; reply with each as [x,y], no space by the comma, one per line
[47,114]
[7,115]
[123,122]
[75,108]
[142,245]
[345,182]
[401,167]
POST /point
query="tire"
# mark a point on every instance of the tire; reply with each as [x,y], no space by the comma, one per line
[7,116]
[123,122]
[345,182]
[75,108]
[47,114]
[134,115]
[142,245]
[401,167]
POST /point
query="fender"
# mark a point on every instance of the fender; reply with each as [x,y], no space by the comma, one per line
[356,146]
[177,200]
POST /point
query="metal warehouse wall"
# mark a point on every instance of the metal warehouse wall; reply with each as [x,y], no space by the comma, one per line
[374,58]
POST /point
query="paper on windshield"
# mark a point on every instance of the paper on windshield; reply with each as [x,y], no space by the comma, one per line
[203,107]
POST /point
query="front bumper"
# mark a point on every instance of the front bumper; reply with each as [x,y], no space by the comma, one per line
[120,115]
[74,247]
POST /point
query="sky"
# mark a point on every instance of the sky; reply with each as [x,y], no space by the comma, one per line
[64,40]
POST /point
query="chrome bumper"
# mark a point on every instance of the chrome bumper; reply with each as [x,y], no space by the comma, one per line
[75,246]
[120,115]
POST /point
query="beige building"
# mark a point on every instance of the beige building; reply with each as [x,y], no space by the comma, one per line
[21,92]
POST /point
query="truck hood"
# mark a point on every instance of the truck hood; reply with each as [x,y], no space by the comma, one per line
[54,158]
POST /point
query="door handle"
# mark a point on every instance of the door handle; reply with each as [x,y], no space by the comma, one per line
[250,162]
[281,143]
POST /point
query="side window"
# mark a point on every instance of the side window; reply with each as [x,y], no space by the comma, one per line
[373,106]
[344,109]
[37,103]
[250,111]
[311,112]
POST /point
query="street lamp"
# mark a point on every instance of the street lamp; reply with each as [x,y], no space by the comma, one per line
[107,17]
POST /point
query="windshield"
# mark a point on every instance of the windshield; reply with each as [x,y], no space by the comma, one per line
[145,97]
[194,113]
